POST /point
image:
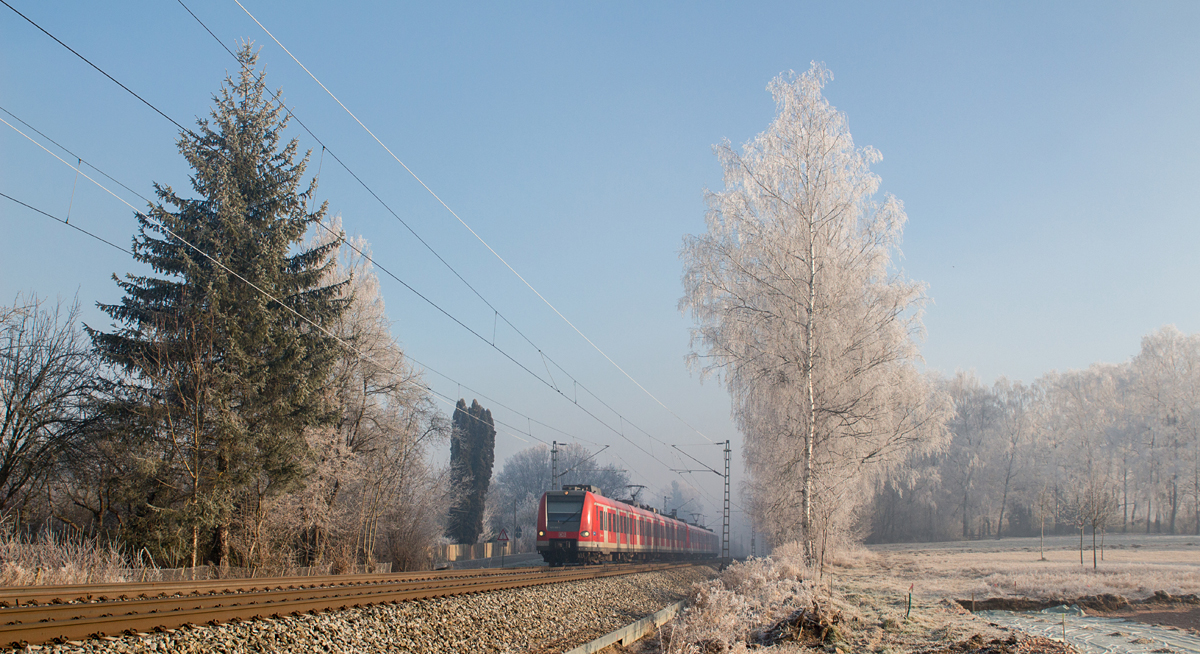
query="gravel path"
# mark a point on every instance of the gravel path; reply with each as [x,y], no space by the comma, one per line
[537,619]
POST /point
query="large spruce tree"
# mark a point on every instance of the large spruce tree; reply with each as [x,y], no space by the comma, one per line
[218,374]
[472,453]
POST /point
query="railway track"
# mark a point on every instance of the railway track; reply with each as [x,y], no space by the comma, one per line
[36,615]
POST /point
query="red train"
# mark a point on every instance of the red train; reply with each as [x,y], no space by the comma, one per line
[579,525]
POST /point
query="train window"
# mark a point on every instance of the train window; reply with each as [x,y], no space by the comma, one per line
[563,512]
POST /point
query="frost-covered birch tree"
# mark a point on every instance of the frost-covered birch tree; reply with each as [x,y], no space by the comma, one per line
[800,311]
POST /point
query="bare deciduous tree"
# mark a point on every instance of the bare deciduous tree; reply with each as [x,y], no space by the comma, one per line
[46,376]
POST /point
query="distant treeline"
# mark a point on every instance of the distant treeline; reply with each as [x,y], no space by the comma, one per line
[1110,448]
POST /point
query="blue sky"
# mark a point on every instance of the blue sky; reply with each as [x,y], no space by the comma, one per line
[1047,157]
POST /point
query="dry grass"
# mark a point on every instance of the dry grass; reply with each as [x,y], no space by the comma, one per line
[871,602]
[1134,566]
[869,588]
[746,596]
[50,559]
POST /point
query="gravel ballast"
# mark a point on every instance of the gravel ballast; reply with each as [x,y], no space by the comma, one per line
[554,617]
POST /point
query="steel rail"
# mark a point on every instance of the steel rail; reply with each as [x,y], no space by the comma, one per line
[181,602]
[13,596]
[58,622]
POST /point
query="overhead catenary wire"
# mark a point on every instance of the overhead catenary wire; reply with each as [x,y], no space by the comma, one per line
[187,131]
[81,159]
[325,148]
[111,244]
[468,227]
[74,227]
[496,312]
[221,265]
[449,400]
[322,225]
[441,396]
[171,233]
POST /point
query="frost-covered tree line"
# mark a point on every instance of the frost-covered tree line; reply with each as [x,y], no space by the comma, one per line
[248,404]
[1109,448]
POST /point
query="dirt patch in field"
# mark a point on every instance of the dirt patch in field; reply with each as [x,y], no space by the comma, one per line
[1011,645]
[1161,608]
[1179,617]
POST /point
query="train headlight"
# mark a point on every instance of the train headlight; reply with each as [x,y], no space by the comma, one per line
[541,533]
[586,534]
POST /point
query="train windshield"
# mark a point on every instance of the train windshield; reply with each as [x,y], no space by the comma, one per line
[563,512]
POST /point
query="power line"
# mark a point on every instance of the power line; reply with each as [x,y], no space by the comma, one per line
[322,225]
[468,227]
[101,239]
[325,148]
[545,357]
[361,355]
[88,62]
[449,400]
[74,227]
[258,78]
[79,158]
[428,389]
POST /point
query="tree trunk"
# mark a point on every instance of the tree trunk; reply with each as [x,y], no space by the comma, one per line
[195,542]
[1042,539]
[1174,497]
[1124,494]
[810,436]
[223,548]
[966,519]
[1093,546]
[1003,502]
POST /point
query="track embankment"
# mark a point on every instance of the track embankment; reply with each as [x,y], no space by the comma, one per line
[468,610]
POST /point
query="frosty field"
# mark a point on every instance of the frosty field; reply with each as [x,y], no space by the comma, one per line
[873,584]
[1134,566]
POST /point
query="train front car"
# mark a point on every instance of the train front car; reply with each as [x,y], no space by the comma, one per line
[562,516]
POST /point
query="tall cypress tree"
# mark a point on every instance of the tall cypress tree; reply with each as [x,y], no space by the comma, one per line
[472,454]
[218,380]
